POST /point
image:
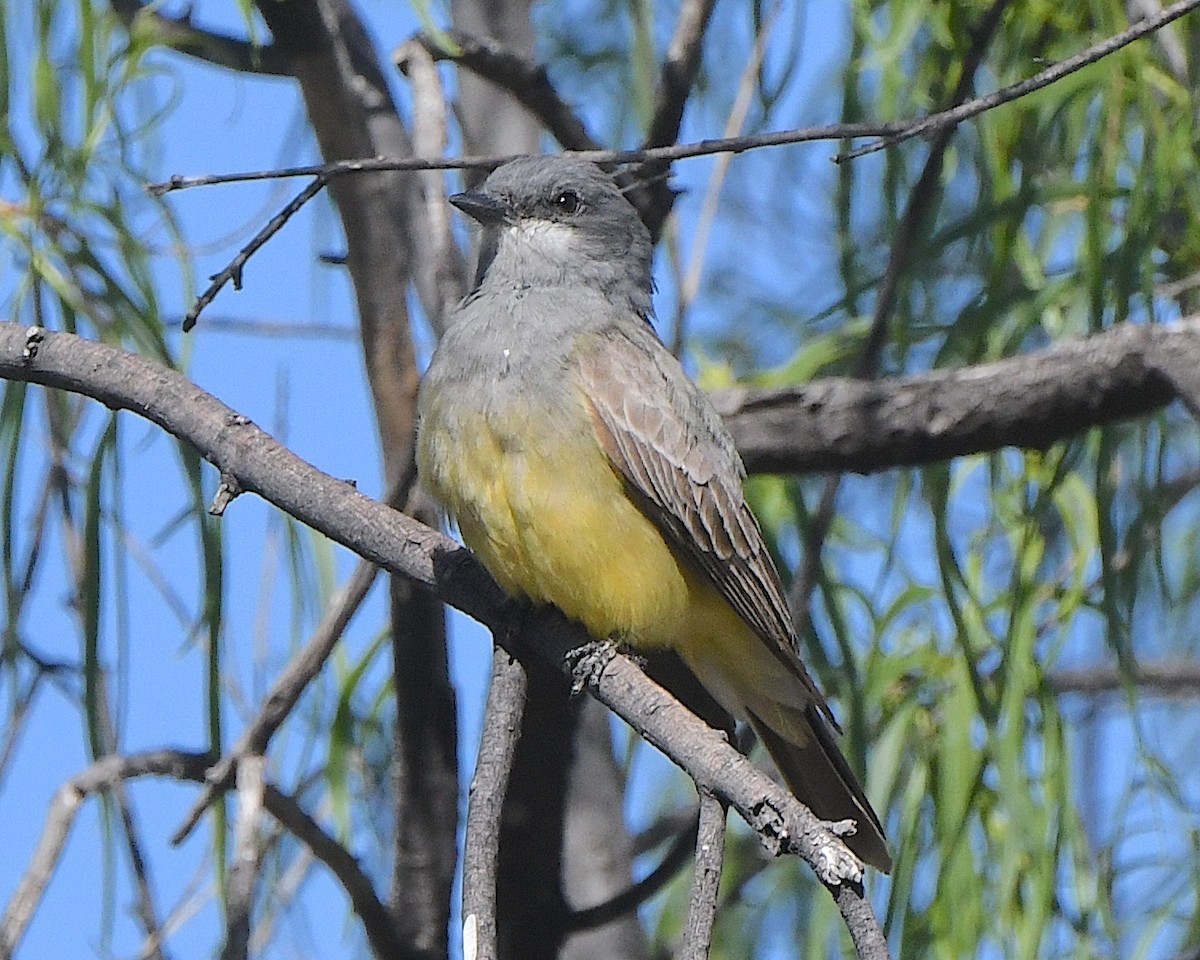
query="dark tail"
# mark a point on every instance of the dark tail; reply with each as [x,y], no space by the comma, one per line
[819,776]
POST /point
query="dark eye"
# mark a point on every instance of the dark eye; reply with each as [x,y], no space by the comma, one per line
[568,202]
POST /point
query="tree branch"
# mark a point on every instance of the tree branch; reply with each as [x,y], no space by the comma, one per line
[523,78]
[402,545]
[377,922]
[654,197]
[352,112]
[706,880]
[234,269]
[101,775]
[679,69]
[219,49]
[1084,58]
[1170,679]
[497,747]
[114,770]
[441,271]
[1029,401]
[243,872]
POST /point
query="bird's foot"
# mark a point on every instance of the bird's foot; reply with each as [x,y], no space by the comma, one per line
[835,863]
[587,663]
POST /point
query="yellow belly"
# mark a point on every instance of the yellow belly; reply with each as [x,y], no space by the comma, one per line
[543,509]
[545,512]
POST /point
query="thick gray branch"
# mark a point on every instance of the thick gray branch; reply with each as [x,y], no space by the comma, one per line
[402,545]
[1030,401]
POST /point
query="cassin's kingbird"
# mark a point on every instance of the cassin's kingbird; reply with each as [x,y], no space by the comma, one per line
[586,470]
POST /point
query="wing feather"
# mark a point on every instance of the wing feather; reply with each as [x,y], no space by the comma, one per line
[675,456]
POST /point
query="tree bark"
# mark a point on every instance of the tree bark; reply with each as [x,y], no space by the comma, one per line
[353,115]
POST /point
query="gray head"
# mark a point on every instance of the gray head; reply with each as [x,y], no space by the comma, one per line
[556,220]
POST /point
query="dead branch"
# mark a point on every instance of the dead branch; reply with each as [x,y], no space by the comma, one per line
[497,747]
[403,545]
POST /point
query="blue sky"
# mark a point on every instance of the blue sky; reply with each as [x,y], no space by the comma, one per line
[311,393]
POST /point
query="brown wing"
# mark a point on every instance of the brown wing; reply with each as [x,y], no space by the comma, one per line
[668,443]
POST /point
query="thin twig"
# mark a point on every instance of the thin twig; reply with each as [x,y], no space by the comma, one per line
[842,131]
[285,692]
[1048,76]
[497,747]
[706,880]
[523,78]
[893,131]
[262,327]
[233,272]
[22,700]
[919,205]
[1169,679]
[147,911]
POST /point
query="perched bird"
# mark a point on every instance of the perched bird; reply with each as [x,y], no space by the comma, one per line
[586,470]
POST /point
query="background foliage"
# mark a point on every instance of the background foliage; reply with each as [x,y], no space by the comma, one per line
[982,624]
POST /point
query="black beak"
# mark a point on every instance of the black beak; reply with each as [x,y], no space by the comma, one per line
[481,206]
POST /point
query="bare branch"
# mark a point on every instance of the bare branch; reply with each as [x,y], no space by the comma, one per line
[497,747]
[679,69]
[1170,679]
[837,131]
[653,196]
[1029,401]
[1048,76]
[147,912]
[706,880]
[102,775]
[285,693]
[403,545]
[524,79]
[441,274]
[267,328]
[114,770]
[781,822]
[234,270]
[353,114]
[244,871]
[211,46]
[891,132]
[377,922]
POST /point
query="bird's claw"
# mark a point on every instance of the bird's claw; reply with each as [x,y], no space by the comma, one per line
[587,663]
[834,863]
